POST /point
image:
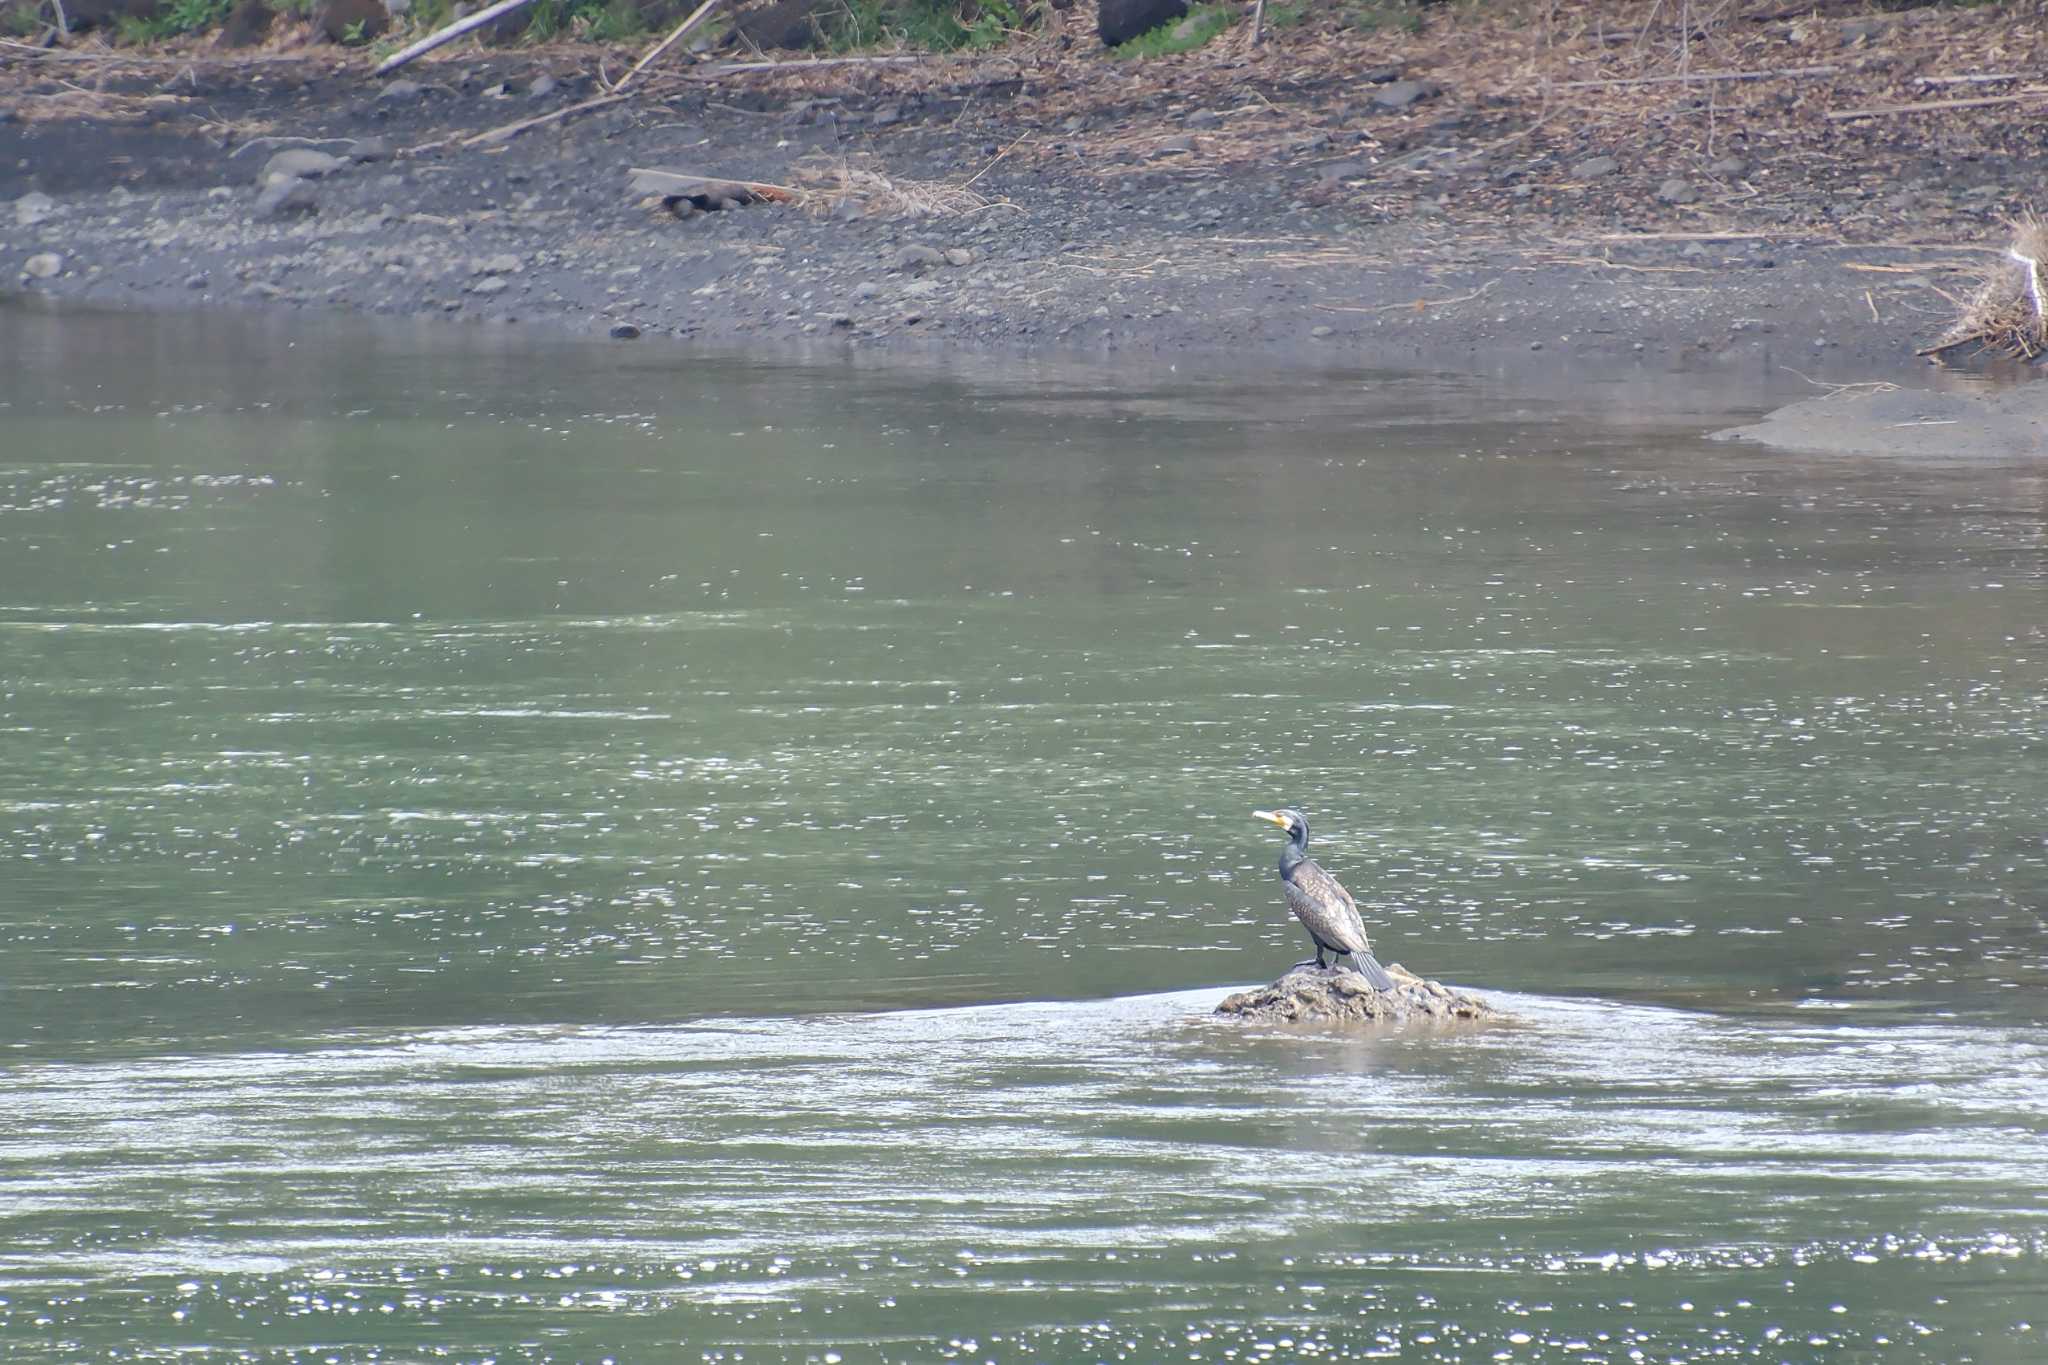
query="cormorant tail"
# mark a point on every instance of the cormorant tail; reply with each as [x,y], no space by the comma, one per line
[1375,975]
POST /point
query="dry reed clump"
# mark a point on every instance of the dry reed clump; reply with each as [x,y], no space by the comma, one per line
[829,182]
[2009,313]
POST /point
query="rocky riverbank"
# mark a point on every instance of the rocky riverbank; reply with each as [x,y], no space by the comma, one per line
[1354,196]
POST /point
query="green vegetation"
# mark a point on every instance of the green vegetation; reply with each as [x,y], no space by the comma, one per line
[1202,23]
[934,25]
[1383,16]
[169,20]
[1287,16]
[597,20]
[19,19]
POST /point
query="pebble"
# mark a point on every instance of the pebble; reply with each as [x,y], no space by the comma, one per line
[504,263]
[1204,118]
[959,256]
[1593,167]
[1730,168]
[1676,191]
[43,265]
[1174,145]
[489,284]
[866,289]
[196,281]
[368,149]
[1322,331]
[402,90]
[33,208]
[624,331]
[543,86]
[296,163]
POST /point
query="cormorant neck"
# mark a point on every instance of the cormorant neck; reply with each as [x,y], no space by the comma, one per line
[1293,856]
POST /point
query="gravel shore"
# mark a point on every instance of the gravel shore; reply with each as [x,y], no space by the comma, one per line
[1233,203]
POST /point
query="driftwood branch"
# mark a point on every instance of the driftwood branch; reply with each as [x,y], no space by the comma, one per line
[734,68]
[689,25]
[512,130]
[1258,23]
[1986,79]
[1691,77]
[448,35]
[1887,110]
[681,184]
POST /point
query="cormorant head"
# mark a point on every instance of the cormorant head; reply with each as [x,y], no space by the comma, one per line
[1292,821]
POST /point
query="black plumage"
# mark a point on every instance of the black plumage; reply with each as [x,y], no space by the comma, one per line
[1322,904]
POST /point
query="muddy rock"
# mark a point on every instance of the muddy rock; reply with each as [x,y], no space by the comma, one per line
[44,265]
[1676,191]
[917,256]
[1593,167]
[1338,995]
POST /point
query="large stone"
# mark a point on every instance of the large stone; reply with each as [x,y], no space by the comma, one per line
[786,24]
[1119,21]
[341,21]
[1338,995]
[44,265]
[916,256]
[1401,94]
[299,163]
[103,14]
[248,24]
[32,208]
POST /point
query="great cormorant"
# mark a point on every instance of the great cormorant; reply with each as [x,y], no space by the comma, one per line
[1322,904]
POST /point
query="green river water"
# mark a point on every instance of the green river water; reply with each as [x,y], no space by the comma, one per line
[530,852]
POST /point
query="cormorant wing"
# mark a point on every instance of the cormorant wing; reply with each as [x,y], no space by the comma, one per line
[1326,908]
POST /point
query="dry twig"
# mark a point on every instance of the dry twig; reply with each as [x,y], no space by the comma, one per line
[1887,110]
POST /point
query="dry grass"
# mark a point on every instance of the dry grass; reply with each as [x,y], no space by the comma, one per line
[829,182]
[2008,315]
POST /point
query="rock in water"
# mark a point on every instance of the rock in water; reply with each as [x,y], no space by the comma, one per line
[1339,995]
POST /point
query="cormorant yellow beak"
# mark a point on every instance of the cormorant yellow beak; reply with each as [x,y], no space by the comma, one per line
[1271,817]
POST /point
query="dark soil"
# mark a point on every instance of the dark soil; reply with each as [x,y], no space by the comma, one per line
[1357,197]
